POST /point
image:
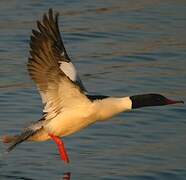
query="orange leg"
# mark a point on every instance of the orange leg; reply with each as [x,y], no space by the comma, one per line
[61,148]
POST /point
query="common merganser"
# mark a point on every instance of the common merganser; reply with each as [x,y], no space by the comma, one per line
[68,107]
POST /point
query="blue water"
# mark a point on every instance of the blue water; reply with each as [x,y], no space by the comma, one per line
[120,48]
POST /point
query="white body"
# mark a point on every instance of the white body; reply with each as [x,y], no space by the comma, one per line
[73,119]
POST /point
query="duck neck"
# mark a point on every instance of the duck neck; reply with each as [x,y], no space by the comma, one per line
[111,106]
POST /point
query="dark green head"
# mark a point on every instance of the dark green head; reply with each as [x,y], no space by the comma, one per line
[151,100]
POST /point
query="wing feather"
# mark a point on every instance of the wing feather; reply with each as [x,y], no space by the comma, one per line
[56,89]
[49,27]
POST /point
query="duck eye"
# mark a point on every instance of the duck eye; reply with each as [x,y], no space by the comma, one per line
[159,99]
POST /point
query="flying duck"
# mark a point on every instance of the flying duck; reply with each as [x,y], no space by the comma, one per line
[68,107]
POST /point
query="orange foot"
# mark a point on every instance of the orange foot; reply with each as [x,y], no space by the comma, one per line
[61,148]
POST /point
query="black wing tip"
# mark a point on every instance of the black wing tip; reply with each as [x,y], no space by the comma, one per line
[48,20]
[51,11]
[51,14]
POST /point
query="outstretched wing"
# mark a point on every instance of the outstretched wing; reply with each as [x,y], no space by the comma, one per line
[50,29]
[44,66]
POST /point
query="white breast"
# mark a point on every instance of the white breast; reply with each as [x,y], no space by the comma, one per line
[71,121]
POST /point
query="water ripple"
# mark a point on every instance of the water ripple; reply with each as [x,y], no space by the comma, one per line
[121,48]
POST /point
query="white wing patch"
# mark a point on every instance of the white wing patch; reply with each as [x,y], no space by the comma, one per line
[69,69]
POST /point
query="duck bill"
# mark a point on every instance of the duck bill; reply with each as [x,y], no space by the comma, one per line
[170,101]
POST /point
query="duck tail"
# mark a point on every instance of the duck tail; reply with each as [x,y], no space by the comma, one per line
[7,139]
[16,139]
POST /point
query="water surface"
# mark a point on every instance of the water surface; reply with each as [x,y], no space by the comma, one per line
[120,48]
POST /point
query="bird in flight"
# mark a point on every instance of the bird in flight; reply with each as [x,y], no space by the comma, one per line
[68,107]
